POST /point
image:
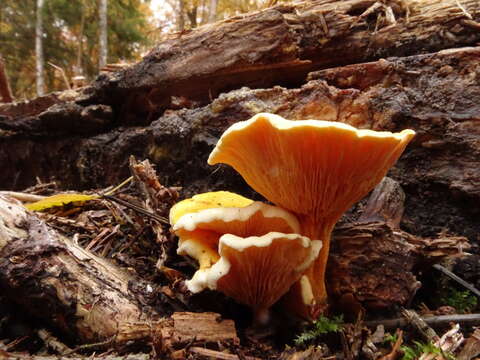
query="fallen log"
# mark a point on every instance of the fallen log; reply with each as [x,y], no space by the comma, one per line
[371,263]
[280,46]
[275,46]
[83,296]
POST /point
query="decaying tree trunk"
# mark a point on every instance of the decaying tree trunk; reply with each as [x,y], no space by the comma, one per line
[371,261]
[84,296]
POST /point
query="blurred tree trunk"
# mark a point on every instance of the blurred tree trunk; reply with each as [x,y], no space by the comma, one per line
[78,66]
[5,91]
[212,11]
[192,16]
[102,51]
[40,62]
[180,19]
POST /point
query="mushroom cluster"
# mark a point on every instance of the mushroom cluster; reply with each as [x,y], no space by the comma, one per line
[313,171]
[248,250]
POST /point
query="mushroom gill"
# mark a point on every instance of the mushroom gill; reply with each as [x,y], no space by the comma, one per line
[258,270]
[313,168]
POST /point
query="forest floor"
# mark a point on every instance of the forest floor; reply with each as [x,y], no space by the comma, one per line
[113,228]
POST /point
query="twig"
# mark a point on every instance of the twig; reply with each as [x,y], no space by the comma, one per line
[392,355]
[471,23]
[122,184]
[458,279]
[23,197]
[324,24]
[52,342]
[217,354]
[139,209]
[62,72]
[91,346]
[466,320]
[422,327]
[464,11]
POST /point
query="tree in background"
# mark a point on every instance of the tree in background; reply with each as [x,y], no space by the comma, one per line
[70,34]
[70,39]
[103,32]
[39,59]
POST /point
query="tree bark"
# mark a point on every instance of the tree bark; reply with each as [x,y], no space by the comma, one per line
[40,61]
[103,33]
[280,46]
[85,297]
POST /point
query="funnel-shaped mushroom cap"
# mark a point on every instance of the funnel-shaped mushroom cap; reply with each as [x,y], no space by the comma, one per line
[311,167]
[199,232]
[257,271]
[316,169]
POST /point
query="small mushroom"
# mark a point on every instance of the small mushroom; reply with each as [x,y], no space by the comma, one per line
[199,232]
[258,270]
[315,169]
[207,200]
[202,245]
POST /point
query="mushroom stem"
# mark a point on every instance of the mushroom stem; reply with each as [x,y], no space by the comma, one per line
[308,297]
[261,317]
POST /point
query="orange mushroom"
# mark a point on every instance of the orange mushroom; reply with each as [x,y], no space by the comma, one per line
[251,252]
[258,270]
[315,169]
[200,244]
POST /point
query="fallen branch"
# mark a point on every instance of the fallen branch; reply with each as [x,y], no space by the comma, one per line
[434,321]
[458,279]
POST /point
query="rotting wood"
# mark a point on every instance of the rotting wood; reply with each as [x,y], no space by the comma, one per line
[277,46]
[438,170]
[280,45]
[386,204]
[90,296]
[420,325]
[372,260]
[471,347]
[202,327]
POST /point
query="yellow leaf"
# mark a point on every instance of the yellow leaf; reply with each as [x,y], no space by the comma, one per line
[59,200]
